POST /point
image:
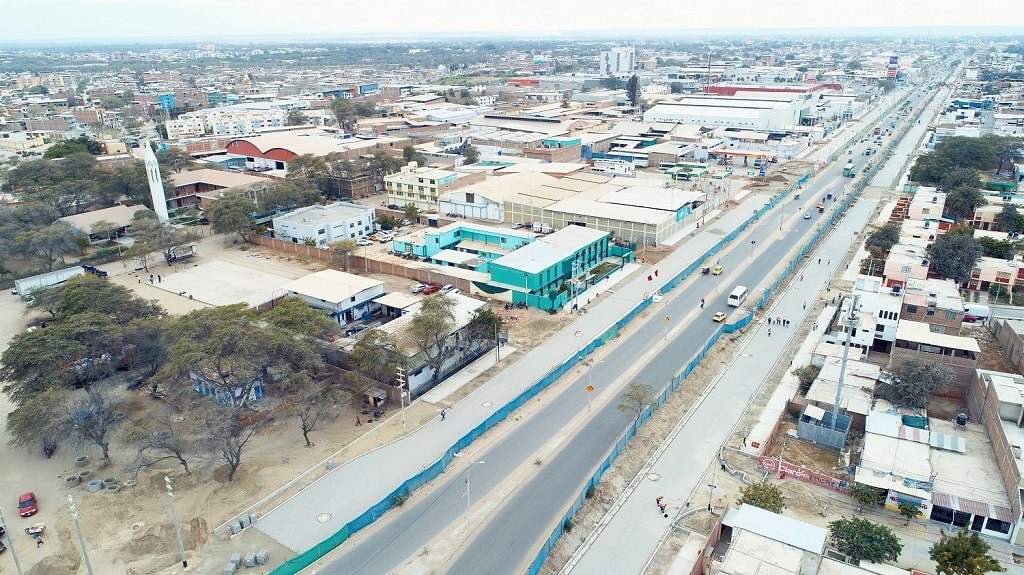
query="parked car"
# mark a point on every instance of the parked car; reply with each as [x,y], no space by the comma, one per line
[363,242]
[970,318]
[385,238]
[418,288]
[27,504]
[406,223]
[393,206]
[447,288]
[356,330]
[430,290]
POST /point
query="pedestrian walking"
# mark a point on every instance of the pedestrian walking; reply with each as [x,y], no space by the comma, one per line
[159,279]
[805,305]
[358,421]
[662,506]
[769,332]
[819,261]
[443,414]
[658,499]
[828,263]
[39,541]
[701,303]
[801,277]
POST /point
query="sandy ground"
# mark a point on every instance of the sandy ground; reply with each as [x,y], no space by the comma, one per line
[132,532]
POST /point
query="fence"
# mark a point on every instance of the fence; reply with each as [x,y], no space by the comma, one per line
[303,560]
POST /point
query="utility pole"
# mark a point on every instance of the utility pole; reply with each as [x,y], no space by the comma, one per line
[10,542]
[851,323]
[400,377]
[177,524]
[81,538]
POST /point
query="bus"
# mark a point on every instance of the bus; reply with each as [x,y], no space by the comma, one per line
[737,296]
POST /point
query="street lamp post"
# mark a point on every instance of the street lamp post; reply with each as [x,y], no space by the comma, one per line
[468,502]
[590,382]
[81,538]
[10,541]
[177,524]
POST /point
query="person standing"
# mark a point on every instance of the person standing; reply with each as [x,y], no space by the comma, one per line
[443,414]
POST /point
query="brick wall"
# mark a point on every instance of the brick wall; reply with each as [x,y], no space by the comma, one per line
[983,407]
[365,266]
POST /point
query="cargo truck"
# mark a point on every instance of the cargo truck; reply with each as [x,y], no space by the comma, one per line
[849,170]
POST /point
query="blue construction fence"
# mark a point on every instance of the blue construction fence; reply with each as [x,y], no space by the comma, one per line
[724,329]
[300,562]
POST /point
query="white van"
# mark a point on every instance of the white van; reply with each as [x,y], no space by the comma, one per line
[738,295]
[982,312]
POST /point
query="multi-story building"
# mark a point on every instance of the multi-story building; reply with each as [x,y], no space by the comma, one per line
[418,186]
[934,302]
[322,225]
[617,60]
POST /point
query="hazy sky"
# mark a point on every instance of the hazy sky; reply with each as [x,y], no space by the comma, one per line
[46,21]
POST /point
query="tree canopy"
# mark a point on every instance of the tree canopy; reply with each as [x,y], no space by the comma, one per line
[863,540]
[884,238]
[954,256]
[915,379]
[232,214]
[963,554]
[988,152]
[636,399]
[81,144]
[763,494]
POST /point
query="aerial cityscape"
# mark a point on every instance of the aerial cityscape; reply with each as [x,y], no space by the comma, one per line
[441,288]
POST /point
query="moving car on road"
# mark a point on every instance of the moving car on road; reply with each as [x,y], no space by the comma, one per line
[719,316]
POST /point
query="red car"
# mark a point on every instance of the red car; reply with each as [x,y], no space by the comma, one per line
[27,504]
[430,290]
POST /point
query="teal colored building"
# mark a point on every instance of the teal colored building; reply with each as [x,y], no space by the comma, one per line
[463,244]
[548,272]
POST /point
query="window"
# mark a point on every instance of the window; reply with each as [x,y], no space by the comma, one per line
[936,328]
[951,315]
[912,309]
[930,312]
[879,327]
[351,225]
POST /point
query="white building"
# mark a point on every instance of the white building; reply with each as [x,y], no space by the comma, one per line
[347,297]
[883,304]
[325,224]
[618,60]
[753,112]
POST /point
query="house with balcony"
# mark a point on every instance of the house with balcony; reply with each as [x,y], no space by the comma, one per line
[995,271]
[420,187]
[936,302]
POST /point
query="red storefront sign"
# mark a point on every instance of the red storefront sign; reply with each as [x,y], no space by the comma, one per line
[771,465]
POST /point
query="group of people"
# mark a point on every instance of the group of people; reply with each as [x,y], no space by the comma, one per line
[661,504]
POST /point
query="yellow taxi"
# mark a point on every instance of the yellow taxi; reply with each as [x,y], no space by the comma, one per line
[717,271]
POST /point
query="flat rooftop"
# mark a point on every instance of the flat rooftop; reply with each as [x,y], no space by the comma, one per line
[317,214]
[549,250]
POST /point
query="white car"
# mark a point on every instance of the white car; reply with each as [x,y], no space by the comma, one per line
[447,288]
[807,216]
[418,288]
[385,238]
[364,242]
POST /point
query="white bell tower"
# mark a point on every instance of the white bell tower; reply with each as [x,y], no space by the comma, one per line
[156,183]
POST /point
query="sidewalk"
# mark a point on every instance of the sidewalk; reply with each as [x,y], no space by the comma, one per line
[629,535]
[348,491]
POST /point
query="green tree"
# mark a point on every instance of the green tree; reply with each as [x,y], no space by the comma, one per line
[485,326]
[677,87]
[471,154]
[343,249]
[806,376]
[364,108]
[112,103]
[152,235]
[915,379]
[862,540]
[431,330]
[954,256]
[159,438]
[293,314]
[633,91]
[637,398]
[287,195]
[764,494]
[103,228]
[345,114]
[993,248]
[83,144]
[296,118]
[1009,218]
[1007,151]
[376,358]
[866,495]
[909,510]
[884,238]
[315,410]
[47,245]
[963,554]
[175,159]
[232,214]
[887,85]
[411,212]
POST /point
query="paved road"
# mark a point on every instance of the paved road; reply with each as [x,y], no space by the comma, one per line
[403,536]
[708,426]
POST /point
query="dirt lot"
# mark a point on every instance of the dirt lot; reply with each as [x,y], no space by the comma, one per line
[131,532]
